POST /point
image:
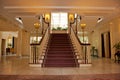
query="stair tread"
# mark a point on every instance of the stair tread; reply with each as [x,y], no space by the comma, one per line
[60,63]
[60,55]
[62,58]
[60,52]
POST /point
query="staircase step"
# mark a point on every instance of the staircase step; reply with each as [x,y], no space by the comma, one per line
[60,52]
[50,46]
[60,55]
[49,56]
[60,49]
[62,44]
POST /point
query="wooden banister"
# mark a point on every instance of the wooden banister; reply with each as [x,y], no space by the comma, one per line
[85,47]
[37,48]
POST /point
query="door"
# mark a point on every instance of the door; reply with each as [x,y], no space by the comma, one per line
[3,48]
[15,45]
[109,44]
[106,46]
[102,47]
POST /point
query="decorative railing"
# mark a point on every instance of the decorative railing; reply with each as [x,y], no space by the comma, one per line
[37,50]
[82,50]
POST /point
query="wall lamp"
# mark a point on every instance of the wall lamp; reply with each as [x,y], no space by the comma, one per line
[46,18]
[71,18]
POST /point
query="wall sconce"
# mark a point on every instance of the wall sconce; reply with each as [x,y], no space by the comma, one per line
[71,18]
[47,17]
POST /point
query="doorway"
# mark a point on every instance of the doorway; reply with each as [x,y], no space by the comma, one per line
[15,45]
[105,45]
[102,47]
[3,47]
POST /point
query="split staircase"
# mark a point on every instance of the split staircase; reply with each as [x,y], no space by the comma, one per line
[60,50]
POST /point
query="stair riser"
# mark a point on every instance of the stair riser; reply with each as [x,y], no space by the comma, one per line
[60,52]
[62,62]
[59,57]
[61,49]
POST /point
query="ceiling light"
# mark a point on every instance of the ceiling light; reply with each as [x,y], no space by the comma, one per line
[19,19]
[99,20]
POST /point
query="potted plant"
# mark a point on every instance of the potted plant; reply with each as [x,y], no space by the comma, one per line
[94,51]
[64,29]
[117,51]
[117,46]
[53,28]
[59,28]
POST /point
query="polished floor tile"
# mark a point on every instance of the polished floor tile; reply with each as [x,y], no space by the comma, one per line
[20,66]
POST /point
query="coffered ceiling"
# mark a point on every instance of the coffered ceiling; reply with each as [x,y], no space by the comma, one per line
[89,10]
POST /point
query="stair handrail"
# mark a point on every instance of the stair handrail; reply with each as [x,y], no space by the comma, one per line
[84,47]
[35,54]
[73,52]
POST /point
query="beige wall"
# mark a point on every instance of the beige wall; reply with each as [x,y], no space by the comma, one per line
[115,33]
[0,44]
[6,25]
[23,43]
[95,38]
[22,38]
[114,27]
[19,42]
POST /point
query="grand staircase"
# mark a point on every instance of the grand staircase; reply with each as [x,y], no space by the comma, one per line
[60,52]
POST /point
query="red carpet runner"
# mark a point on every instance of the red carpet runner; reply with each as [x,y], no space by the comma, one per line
[60,52]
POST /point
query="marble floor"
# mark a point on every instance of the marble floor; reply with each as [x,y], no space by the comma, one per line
[20,66]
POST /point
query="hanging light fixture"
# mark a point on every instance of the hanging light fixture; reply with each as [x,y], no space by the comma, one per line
[37,25]
[83,26]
